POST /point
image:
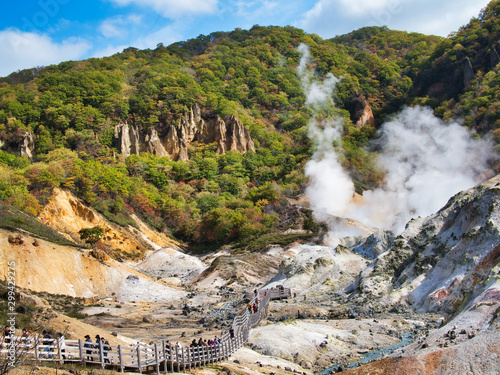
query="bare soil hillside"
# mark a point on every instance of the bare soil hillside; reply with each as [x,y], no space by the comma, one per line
[67,214]
[42,266]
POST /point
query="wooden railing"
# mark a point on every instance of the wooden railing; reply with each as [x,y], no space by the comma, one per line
[162,356]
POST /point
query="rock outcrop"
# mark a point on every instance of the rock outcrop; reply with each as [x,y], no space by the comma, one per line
[27,145]
[67,214]
[24,145]
[468,71]
[494,57]
[171,265]
[360,111]
[440,262]
[228,133]
[314,271]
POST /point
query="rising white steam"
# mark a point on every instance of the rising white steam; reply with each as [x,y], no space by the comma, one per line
[426,162]
[330,187]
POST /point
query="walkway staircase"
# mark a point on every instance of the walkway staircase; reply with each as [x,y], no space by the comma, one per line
[161,356]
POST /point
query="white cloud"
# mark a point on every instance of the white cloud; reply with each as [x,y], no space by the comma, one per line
[166,35]
[334,17]
[109,50]
[23,50]
[256,9]
[361,7]
[449,18]
[119,26]
[110,29]
[175,8]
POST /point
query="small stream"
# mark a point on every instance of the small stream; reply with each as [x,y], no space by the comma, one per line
[223,311]
[373,355]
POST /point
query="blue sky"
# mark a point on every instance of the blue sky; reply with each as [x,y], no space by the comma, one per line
[44,32]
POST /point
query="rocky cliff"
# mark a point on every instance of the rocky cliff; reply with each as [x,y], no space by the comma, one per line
[23,145]
[442,262]
[360,111]
[228,134]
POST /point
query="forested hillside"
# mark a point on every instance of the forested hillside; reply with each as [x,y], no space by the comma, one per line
[58,123]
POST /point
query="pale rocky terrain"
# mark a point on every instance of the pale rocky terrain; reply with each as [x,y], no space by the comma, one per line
[436,286]
[47,267]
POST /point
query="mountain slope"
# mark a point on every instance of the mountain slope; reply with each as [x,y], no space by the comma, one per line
[150,132]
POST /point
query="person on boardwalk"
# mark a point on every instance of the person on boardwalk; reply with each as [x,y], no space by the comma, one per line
[98,346]
[47,341]
[89,346]
[25,336]
[178,349]
[106,348]
[7,335]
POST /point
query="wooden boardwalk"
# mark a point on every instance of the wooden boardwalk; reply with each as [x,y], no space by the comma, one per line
[159,357]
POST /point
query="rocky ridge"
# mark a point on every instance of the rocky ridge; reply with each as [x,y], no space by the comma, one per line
[440,262]
[229,134]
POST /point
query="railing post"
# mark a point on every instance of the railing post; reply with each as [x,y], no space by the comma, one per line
[157,360]
[80,348]
[101,356]
[171,357]
[191,358]
[164,350]
[120,358]
[139,358]
[177,358]
[183,361]
[59,350]
[36,347]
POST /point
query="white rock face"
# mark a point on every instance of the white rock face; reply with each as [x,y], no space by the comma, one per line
[440,261]
[315,270]
[172,264]
[138,288]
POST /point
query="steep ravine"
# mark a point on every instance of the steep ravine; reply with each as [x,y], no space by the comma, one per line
[438,280]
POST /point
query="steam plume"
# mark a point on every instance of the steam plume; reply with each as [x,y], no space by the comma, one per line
[426,162]
[327,179]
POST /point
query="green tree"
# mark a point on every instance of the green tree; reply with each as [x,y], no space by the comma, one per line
[91,235]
